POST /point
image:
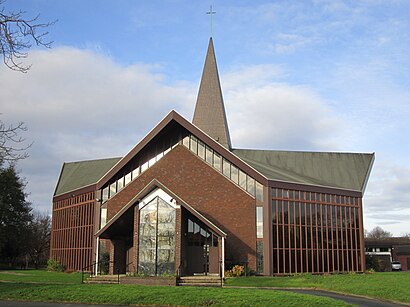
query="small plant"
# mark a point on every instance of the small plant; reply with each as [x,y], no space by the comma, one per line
[138,274]
[236,271]
[54,266]
[370,271]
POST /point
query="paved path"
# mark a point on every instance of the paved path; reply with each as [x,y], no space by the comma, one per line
[359,301]
[350,299]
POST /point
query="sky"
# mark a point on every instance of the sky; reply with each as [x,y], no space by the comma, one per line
[313,75]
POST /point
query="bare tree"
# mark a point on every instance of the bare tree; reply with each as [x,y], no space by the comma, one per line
[378,233]
[12,144]
[17,34]
[40,234]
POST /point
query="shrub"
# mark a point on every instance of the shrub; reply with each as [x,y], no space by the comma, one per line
[54,266]
[236,271]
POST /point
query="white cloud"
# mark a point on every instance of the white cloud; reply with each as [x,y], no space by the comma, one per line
[387,200]
[267,114]
[77,105]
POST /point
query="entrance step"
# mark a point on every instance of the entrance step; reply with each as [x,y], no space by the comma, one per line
[103,279]
[200,281]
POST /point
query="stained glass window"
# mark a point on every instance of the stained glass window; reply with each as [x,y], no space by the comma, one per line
[157,238]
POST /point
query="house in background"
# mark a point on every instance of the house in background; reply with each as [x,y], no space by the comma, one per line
[184,201]
[382,252]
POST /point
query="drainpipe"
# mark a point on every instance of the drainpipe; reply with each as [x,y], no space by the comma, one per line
[97,246]
[223,258]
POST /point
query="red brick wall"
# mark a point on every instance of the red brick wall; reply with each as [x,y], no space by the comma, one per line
[403,261]
[209,192]
[72,231]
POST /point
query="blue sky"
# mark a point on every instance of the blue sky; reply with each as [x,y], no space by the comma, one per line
[312,75]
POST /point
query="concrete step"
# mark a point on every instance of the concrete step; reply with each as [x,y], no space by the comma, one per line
[200,281]
[103,279]
[197,284]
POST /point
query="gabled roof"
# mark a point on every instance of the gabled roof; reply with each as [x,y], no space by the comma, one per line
[174,117]
[349,171]
[210,115]
[76,175]
[146,190]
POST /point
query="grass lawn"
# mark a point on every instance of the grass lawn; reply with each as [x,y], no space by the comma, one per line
[392,286]
[40,276]
[159,296]
[38,285]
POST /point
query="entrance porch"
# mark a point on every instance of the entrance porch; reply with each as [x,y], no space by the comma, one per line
[161,235]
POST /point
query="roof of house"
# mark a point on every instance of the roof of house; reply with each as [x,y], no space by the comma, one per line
[76,175]
[348,171]
[387,242]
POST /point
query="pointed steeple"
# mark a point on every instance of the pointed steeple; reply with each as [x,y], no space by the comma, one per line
[209,113]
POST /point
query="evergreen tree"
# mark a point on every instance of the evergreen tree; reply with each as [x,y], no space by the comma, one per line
[15,216]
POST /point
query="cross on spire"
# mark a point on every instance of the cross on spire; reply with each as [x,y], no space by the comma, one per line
[211,13]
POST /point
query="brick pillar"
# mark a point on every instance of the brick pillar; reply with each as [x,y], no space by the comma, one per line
[111,266]
[136,237]
[118,256]
[178,234]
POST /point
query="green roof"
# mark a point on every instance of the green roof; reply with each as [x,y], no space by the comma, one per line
[348,171]
[75,175]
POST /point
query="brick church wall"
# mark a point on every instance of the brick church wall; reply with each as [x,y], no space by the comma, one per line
[73,230]
[206,190]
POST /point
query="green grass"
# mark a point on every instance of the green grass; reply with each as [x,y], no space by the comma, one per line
[39,276]
[159,296]
[38,285]
[393,286]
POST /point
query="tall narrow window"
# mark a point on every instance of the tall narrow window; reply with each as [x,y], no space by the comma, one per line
[226,168]
[217,161]
[105,194]
[103,217]
[250,185]
[157,238]
[194,144]
[127,178]
[113,189]
[120,184]
[201,150]
[185,142]
[259,222]
[259,191]
[234,174]
[209,155]
[242,180]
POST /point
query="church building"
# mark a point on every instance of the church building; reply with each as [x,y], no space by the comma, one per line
[183,201]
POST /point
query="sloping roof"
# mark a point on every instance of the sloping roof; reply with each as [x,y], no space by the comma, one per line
[75,175]
[348,171]
[173,116]
[147,189]
[210,115]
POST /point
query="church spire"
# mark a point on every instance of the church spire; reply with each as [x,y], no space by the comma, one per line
[209,113]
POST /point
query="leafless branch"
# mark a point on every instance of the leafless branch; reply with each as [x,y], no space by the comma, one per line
[16,36]
[12,145]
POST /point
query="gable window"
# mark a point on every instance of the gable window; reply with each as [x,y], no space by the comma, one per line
[157,238]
